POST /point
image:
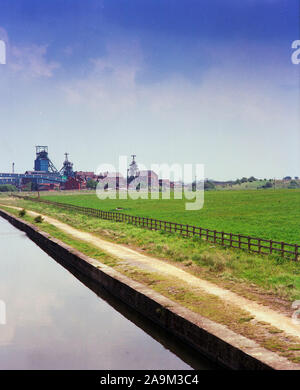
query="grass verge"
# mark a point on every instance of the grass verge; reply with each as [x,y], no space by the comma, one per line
[270,280]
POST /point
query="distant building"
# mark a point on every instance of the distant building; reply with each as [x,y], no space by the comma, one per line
[177,185]
[133,170]
[112,180]
[164,183]
[75,184]
[115,180]
[148,178]
[86,175]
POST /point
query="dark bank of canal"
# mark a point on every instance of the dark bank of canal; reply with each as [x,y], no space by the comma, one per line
[55,320]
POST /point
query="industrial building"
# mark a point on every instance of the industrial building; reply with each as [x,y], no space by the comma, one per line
[44,176]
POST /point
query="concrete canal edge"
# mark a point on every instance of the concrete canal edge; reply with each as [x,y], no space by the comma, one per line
[212,340]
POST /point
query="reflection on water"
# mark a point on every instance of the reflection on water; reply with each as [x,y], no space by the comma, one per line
[55,322]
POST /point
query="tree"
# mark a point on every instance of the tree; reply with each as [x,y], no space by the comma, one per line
[91,184]
[209,185]
[27,186]
[7,188]
[293,184]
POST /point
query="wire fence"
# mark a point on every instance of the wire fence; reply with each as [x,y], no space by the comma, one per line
[239,241]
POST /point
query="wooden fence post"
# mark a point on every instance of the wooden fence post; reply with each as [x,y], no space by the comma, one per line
[271,246]
[282,249]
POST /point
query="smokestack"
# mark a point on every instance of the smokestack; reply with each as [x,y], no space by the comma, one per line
[13,167]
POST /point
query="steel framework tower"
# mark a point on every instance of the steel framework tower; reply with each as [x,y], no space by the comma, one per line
[67,169]
[42,162]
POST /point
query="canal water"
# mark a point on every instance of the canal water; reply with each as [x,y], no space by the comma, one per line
[57,320]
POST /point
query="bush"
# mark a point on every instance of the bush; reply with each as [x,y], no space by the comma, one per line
[91,184]
[38,219]
[27,187]
[22,213]
[293,184]
[268,184]
[208,185]
[7,188]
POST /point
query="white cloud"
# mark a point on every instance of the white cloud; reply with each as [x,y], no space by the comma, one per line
[234,90]
[30,61]
[3,35]
[111,85]
[240,108]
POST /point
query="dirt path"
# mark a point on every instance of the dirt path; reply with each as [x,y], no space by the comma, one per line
[136,259]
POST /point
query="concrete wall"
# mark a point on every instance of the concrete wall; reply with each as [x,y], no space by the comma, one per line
[212,340]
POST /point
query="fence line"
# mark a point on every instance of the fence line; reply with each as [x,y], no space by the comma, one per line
[239,241]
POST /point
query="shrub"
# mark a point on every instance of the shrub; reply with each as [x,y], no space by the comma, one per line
[22,213]
[38,219]
[91,184]
[208,185]
[293,184]
[268,184]
[7,188]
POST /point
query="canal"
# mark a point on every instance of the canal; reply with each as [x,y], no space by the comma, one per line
[56,319]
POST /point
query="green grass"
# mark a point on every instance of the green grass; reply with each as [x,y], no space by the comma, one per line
[265,213]
[216,263]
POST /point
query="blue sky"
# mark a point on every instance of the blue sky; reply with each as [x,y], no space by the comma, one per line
[191,81]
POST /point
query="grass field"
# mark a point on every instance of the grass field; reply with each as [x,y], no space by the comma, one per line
[215,263]
[265,213]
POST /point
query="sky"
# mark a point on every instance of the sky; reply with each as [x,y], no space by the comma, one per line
[173,81]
